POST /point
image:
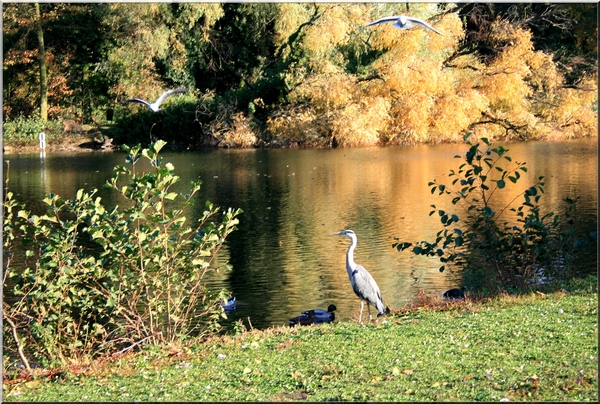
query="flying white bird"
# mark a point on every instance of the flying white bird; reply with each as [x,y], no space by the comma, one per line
[404,22]
[155,106]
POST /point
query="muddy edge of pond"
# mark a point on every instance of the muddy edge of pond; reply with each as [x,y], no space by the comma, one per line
[86,143]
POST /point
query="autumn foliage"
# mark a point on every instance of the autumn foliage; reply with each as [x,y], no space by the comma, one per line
[411,94]
[306,74]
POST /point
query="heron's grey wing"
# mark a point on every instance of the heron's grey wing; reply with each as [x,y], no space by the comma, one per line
[135,100]
[366,288]
[423,24]
[164,95]
[384,19]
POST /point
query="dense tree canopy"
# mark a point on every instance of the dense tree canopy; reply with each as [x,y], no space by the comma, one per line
[308,73]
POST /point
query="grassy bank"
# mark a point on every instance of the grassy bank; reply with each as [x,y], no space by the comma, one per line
[530,347]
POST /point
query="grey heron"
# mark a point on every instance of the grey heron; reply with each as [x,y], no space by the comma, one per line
[404,22]
[315,316]
[361,281]
[155,106]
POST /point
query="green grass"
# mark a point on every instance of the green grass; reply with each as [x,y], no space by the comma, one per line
[530,347]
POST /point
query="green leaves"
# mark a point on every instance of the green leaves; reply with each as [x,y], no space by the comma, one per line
[514,253]
[138,271]
[401,246]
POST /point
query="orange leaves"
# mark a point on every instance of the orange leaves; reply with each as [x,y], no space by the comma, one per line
[338,109]
[429,102]
[297,123]
[525,88]
[331,30]
[361,123]
[504,78]
[241,133]
[422,87]
[452,28]
[573,114]
[336,26]
[327,91]
[455,111]
[412,91]
[411,117]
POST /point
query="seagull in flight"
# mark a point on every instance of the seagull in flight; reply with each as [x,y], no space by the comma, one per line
[404,22]
[155,106]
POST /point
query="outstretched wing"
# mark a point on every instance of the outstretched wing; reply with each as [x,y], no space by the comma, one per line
[423,24]
[164,95]
[135,100]
[384,19]
[404,22]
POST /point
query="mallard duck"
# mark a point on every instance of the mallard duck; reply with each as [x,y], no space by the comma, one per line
[454,294]
[317,316]
[155,106]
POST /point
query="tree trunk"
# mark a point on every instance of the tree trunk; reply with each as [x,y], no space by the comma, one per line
[42,60]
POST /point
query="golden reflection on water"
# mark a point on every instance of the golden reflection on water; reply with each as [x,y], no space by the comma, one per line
[284,259]
[381,193]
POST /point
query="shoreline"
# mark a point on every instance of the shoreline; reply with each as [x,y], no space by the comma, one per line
[449,339]
[87,143]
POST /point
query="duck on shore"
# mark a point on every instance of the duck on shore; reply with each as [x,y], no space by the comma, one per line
[317,316]
[454,294]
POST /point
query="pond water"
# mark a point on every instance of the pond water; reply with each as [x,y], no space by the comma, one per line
[284,259]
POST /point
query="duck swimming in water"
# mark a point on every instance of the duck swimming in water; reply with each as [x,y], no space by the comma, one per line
[229,305]
[317,316]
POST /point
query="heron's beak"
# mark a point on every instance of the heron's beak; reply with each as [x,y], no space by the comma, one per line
[337,233]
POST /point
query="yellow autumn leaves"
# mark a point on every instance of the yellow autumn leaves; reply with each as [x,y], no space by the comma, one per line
[416,86]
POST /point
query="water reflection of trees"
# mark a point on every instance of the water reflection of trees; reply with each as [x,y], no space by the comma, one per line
[284,260]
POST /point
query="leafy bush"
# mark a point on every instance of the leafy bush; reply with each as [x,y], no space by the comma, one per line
[486,245]
[241,133]
[22,130]
[188,122]
[105,279]
[177,121]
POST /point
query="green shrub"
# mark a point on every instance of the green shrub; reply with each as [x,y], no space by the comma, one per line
[24,131]
[486,247]
[177,122]
[106,279]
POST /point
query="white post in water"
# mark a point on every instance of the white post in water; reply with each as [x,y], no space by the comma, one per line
[42,137]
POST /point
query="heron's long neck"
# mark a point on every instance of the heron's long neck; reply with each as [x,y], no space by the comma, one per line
[350,264]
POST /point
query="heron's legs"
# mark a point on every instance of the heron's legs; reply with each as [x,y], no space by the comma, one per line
[362,305]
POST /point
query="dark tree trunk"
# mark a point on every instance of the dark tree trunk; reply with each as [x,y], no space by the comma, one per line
[42,61]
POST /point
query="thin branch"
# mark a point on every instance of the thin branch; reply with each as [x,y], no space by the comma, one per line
[16,337]
[136,344]
[374,76]
[579,88]
[505,123]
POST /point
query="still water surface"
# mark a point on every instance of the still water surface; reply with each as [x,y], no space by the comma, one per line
[284,259]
